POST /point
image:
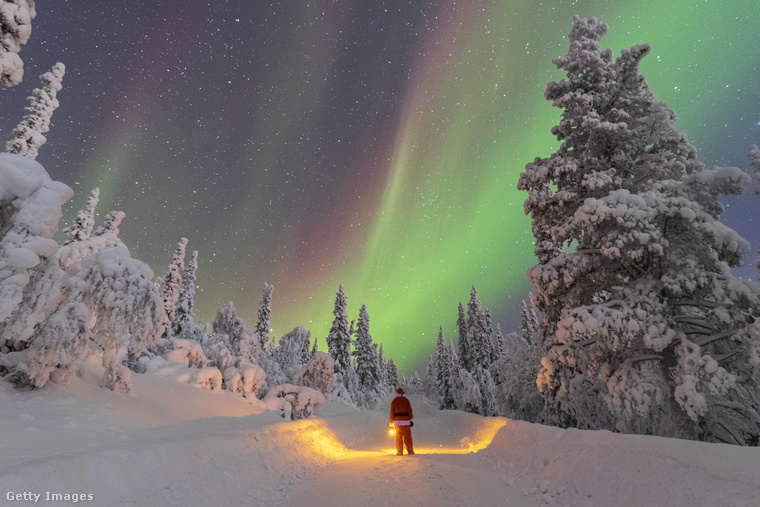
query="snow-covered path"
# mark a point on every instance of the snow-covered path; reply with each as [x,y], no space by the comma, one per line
[444,470]
[171,444]
[384,479]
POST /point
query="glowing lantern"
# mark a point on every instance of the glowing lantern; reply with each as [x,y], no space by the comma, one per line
[392,430]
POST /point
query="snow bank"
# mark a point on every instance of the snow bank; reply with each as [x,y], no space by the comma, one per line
[575,467]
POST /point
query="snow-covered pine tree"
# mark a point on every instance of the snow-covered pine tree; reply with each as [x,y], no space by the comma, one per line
[318,373]
[183,325]
[81,226]
[467,394]
[339,344]
[365,352]
[430,386]
[445,369]
[515,374]
[641,310]
[173,282]
[293,351]
[383,367]
[15,28]
[228,323]
[464,339]
[415,382]
[264,316]
[487,389]
[479,330]
[528,320]
[28,135]
[499,343]
[392,372]
[111,223]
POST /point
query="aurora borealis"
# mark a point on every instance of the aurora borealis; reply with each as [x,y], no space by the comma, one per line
[371,143]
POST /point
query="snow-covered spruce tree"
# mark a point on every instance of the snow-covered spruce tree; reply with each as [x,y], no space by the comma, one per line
[445,369]
[467,393]
[528,320]
[415,382]
[184,326]
[318,373]
[111,223]
[487,387]
[228,323]
[429,386]
[28,135]
[367,361]
[15,28]
[479,333]
[339,345]
[640,307]
[382,368]
[464,340]
[293,351]
[313,348]
[30,210]
[499,343]
[173,282]
[514,374]
[392,372]
[264,317]
[236,353]
[81,227]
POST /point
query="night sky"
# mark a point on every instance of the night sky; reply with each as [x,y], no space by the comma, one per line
[371,143]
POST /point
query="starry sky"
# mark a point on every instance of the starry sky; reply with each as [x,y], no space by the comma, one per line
[372,143]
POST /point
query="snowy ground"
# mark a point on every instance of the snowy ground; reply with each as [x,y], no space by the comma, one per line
[173,444]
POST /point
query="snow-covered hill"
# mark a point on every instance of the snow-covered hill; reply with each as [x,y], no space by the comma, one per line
[173,444]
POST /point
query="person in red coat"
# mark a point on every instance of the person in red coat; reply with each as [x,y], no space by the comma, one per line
[402,418]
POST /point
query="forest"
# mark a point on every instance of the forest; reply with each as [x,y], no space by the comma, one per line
[636,325]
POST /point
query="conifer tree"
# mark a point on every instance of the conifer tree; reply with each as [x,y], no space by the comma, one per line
[499,343]
[487,388]
[15,28]
[28,135]
[313,348]
[393,372]
[431,377]
[111,223]
[640,308]
[183,324]
[228,323]
[81,227]
[264,317]
[383,368]
[528,320]
[339,343]
[464,339]
[445,371]
[367,364]
[172,282]
[479,330]
[293,350]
